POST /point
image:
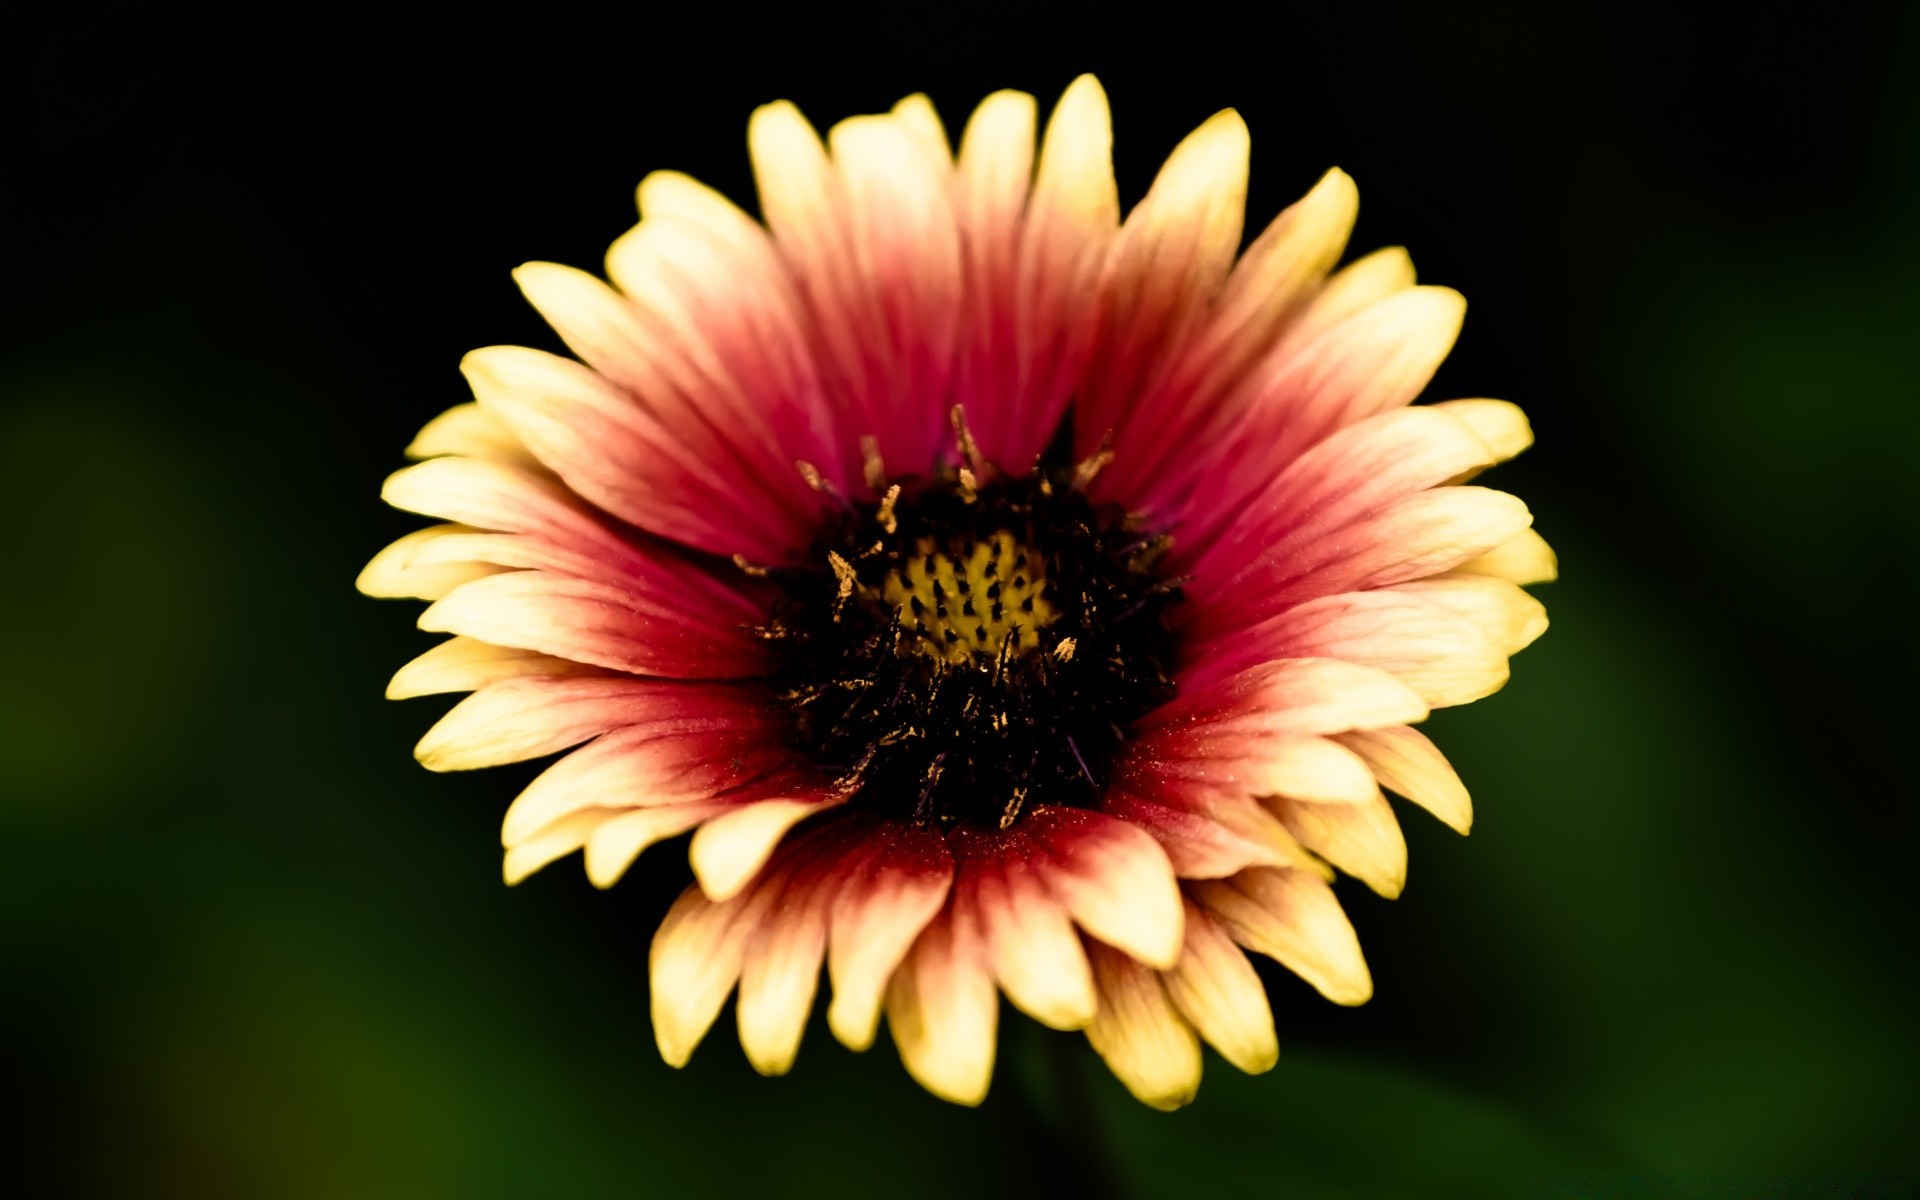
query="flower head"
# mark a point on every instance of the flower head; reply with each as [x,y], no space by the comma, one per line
[1007,598]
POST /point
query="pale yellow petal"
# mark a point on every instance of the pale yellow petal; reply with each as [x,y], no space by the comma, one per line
[517,719]
[670,195]
[596,322]
[1410,765]
[1507,616]
[781,975]
[875,921]
[1361,839]
[468,431]
[1354,287]
[1217,990]
[1311,769]
[1268,285]
[1119,886]
[728,852]
[1500,424]
[1032,946]
[462,664]
[996,161]
[695,961]
[1525,558]
[1292,917]
[917,113]
[392,574]
[1074,194]
[1146,1043]
[620,839]
[943,1010]
[557,840]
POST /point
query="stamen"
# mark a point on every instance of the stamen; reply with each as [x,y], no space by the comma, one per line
[1088,467]
[872,467]
[963,440]
[885,514]
[843,570]
[1014,803]
[821,483]
[740,560]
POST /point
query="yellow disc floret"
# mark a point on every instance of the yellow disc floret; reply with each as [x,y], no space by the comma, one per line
[974,602]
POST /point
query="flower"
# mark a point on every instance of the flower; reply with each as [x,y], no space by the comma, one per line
[1006,597]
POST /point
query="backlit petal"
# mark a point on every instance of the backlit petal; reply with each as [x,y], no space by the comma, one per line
[876,918]
[1146,1043]
[1409,765]
[1293,917]
[1113,877]
[943,1010]
[729,851]
[1217,991]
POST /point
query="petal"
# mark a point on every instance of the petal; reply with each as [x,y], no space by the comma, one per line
[517,719]
[781,972]
[557,840]
[1208,831]
[1504,614]
[876,919]
[1419,535]
[1374,361]
[917,113]
[943,1009]
[990,194]
[1524,558]
[1199,845]
[1071,219]
[622,836]
[728,357]
[556,530]
[663,762]
[906,242]
[1344,479]
[593,623]
[1216,989]
[1113,877]
[392,575]
[1166,266]
[680,197]
[696,959]
[469,431]
[1406,763]
[461,664]
[1030,939]
[729,851]
[1293,697]
[1443,656]
[1355,286]
[617,454]
[1292,917]
[1361,839]
[1500,424]
[1183,405]
[1265,484]
[802,200]
[1140,1034]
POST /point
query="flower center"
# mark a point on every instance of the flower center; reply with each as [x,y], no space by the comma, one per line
[993,594]
[966,650]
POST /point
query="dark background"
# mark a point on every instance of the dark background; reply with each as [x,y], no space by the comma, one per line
[252,949]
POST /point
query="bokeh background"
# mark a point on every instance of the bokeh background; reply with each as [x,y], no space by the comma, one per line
[251,949]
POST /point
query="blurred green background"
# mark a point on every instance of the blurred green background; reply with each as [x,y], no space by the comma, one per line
[251,949]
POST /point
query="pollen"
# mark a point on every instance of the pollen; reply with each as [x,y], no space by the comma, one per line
[979,601]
